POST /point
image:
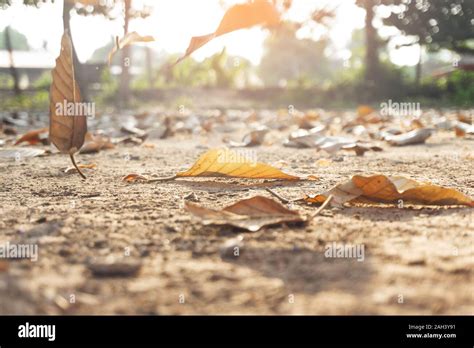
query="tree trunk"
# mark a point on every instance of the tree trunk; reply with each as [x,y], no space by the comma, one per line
[419,68]
[371,57]
[124,89]
[13,71]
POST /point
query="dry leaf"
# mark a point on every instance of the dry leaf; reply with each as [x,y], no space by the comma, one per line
[250,214]
[128,39]
[134,177]
[254,138]
[66,131]
[227,163]
[22,152]
[96,143]
[34,137]
[462,129]
[417,136]
[240,16]
[391,189]
[313,139]
[83,166]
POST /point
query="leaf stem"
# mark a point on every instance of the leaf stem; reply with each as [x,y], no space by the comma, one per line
[75,166]
[320,209]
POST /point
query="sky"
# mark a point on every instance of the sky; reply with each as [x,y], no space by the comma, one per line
[174,22]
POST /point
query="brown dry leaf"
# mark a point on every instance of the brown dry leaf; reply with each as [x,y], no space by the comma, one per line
[69,170]
[128,39]
[134,177]
[66,131]
[462,129]
[250,214]
[227,163]
[417,136]
[34,137]
[391,189]
[96,143]
[237,17]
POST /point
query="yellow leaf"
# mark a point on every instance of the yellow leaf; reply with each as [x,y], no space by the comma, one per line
[227,163]
[251,214]
[391,189]
[128,39]
[240,16]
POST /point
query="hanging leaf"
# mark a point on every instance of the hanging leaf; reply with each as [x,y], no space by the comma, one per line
[66,130]
[227,163]
[128,39]
[240,16]
[250,214]
[391,189]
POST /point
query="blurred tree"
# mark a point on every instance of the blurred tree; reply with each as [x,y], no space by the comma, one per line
[10,39]
[19,41]
[372,43]
[306,56]
[435,24]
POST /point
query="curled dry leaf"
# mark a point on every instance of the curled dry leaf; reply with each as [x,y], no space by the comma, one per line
[254,138]
[417,136]
[34,137]
[391,189]
[250,214]
[128,39]
[240,16]
[66,131]
[227,163]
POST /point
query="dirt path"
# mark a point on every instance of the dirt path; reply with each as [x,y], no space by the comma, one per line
[418,260]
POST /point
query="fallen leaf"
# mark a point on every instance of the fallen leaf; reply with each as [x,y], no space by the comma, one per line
[250,214]
[254,138]
[134,177]
[227,163]
[417,136]
[96,143]
[391,189]
[462,129]
[83,166]
[128,39]
[22,152]
[240,16]
[330,144]
[34,137]
[66,131]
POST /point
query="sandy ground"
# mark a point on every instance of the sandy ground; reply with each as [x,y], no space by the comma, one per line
[418,259]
